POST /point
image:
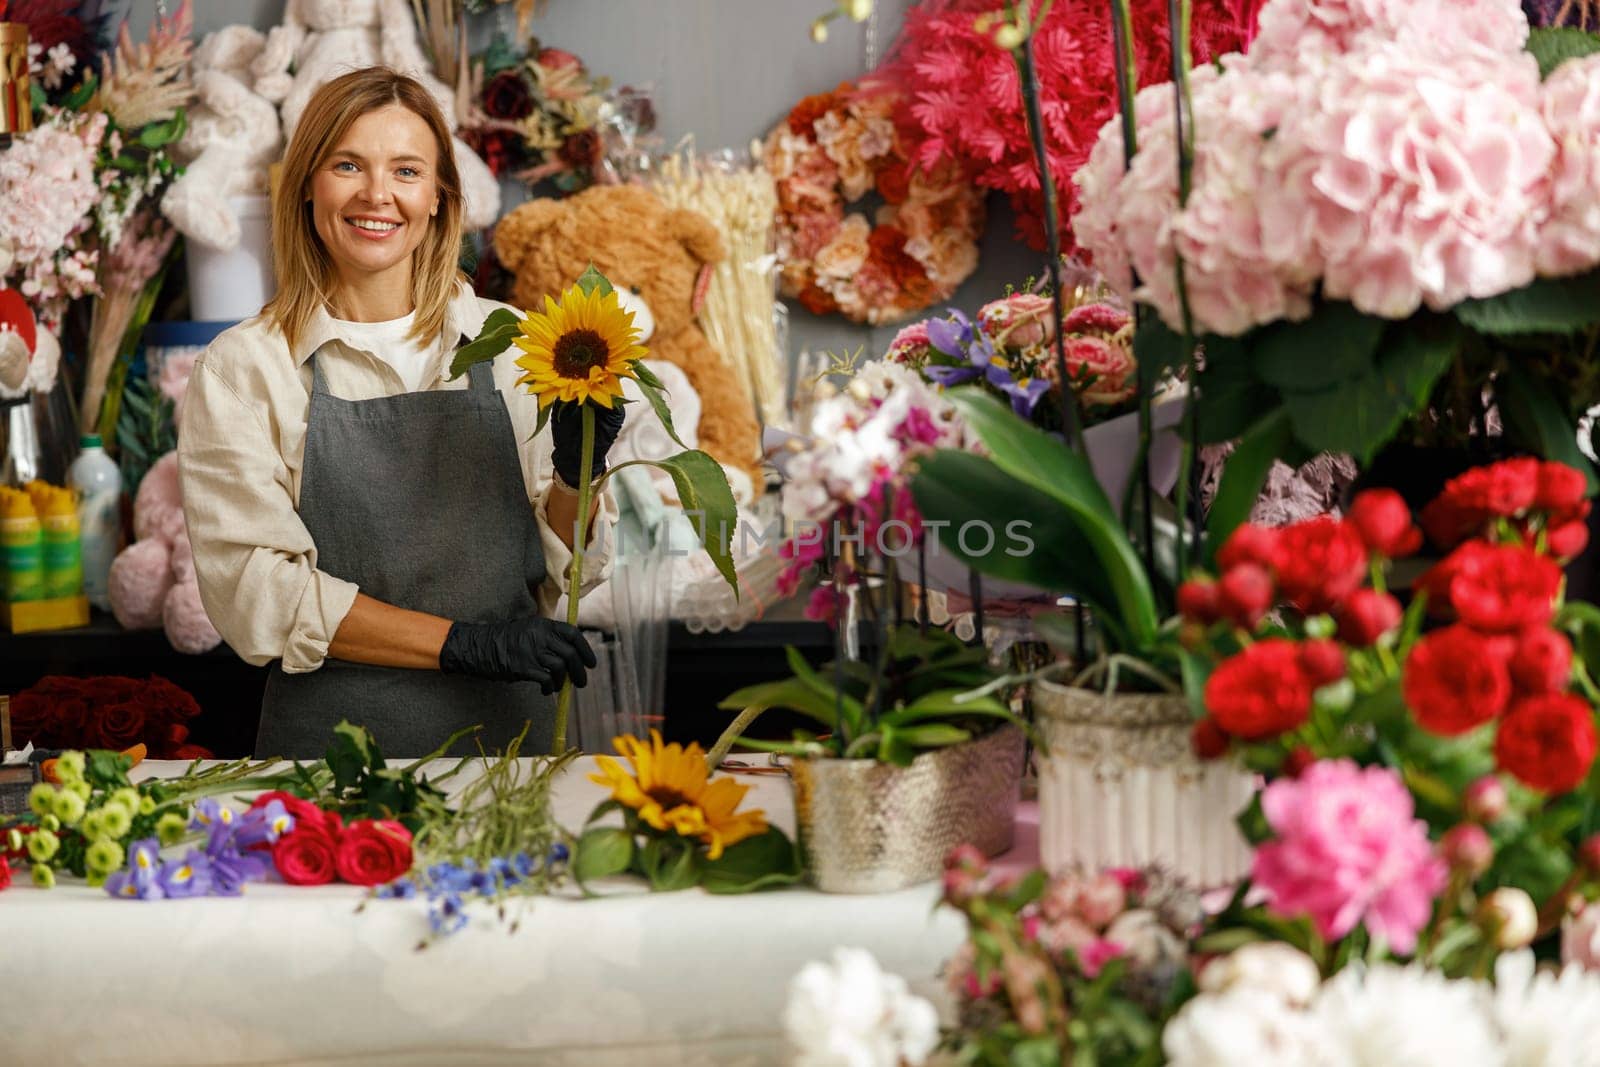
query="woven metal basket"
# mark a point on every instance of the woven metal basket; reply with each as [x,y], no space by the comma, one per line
[871,827]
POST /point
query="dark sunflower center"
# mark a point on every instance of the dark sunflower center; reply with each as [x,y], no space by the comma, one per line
[577,351]
[668,798]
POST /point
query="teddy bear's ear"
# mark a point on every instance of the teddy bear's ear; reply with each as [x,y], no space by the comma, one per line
[697,234]
[517,233]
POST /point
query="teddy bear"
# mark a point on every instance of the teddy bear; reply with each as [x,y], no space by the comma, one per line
[231,139]
[152,581]
[659,259]
[322,39]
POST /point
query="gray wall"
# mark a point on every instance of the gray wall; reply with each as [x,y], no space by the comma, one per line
[723,70]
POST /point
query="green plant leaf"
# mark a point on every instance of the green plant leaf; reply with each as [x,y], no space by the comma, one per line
[81,94]
[1336,344]
[656,394]
[758,862]
[602,851]
[1361,415]
[1158,348]
[791,693]
[929,734]
[959,488]
[1243,476]
[1536,418]
[1233,399]
[670,864]
[494,337]
[1545,305]
[159,134]
[707,499]
[1554,45]
[591,279]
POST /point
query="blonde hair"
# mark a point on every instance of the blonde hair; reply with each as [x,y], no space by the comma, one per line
[303,268]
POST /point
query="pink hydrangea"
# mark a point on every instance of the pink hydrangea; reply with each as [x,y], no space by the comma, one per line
[1293,34]
[1570,240]
[1348,851]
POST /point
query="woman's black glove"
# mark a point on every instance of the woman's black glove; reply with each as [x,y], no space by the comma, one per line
[531,649]
[566,434]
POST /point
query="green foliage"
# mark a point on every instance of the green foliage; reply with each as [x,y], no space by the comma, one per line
[355,780]
[922,689]
[1533,415]
[669,861]
[1544,306]
[591,279]
[1554,45]
[494,337]
[145,431]
[707,499]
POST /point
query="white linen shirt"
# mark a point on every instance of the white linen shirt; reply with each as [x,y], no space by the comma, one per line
[241,449]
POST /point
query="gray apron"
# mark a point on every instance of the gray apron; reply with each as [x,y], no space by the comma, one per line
[419,500]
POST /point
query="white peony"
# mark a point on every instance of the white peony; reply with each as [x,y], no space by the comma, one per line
[850,1013]
[1392,1016]
[1548,1019]
[1266,967]
[1244,1026]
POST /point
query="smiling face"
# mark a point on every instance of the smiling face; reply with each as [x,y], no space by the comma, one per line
[374,195]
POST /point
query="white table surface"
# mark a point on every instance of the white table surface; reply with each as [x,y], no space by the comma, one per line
[295,975]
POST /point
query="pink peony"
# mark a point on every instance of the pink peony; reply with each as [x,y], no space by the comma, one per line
[1348,851]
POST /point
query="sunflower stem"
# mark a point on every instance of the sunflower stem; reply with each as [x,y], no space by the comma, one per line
[575,575]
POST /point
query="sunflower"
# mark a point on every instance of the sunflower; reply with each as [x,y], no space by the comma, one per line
[668,787]
[579,349]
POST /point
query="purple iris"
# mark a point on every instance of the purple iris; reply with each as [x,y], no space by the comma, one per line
[959,338]
[191,876]
[1024,398]
[262,826]
[230,870]
[140,879]
[210,814]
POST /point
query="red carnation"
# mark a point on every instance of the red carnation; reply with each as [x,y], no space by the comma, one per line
[1249,543]
[1197,600]
[1322,660]
[1367,615]
[1435,582]
[1547,742]
[1455,680]
[1383,520]
[1542,662]
[1244,594]
[1319,563]
[1261,692]
[1561,488]
[373,851]
[1568,539]
[1503,490]
[1511,587]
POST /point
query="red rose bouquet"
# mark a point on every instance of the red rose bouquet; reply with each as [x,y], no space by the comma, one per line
[111,712]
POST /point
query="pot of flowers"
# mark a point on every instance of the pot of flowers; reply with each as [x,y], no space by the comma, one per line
[911,759]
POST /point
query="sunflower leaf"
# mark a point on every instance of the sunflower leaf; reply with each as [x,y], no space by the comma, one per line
[592,279]
[602,852]
[493,338]
[656,393]
[758,862]
[708,502]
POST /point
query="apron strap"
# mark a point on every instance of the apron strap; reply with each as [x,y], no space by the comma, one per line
[319,384]
[480,377]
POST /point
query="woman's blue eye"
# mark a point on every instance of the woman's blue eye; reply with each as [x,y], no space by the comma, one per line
[344,163]
[409,172]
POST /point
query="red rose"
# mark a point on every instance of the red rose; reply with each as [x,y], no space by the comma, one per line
[5,873]
[305,856]
[1547,741]
[1511,587]
[582,150]
[1249,543]
[1244,594]
[508,95]
[1367,615]
[373,851]
[192,752]
[1436,580]
[1322,660]
[1383,520]
[1208,739]
[1560,488]
[120,725]
[1319,563]
[1568,539]
[894,182]
[1455,681]
[1261,692]
[1542,662]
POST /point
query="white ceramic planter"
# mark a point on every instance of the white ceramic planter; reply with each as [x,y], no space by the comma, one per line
[233,285]
[1121,787]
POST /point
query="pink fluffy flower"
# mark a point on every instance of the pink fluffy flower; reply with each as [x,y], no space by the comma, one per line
[1348,851]
[1019,321]
[1570,240]
[1295,33]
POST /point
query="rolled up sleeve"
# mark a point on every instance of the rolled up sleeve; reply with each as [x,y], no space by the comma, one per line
[597,552]
[254,558]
